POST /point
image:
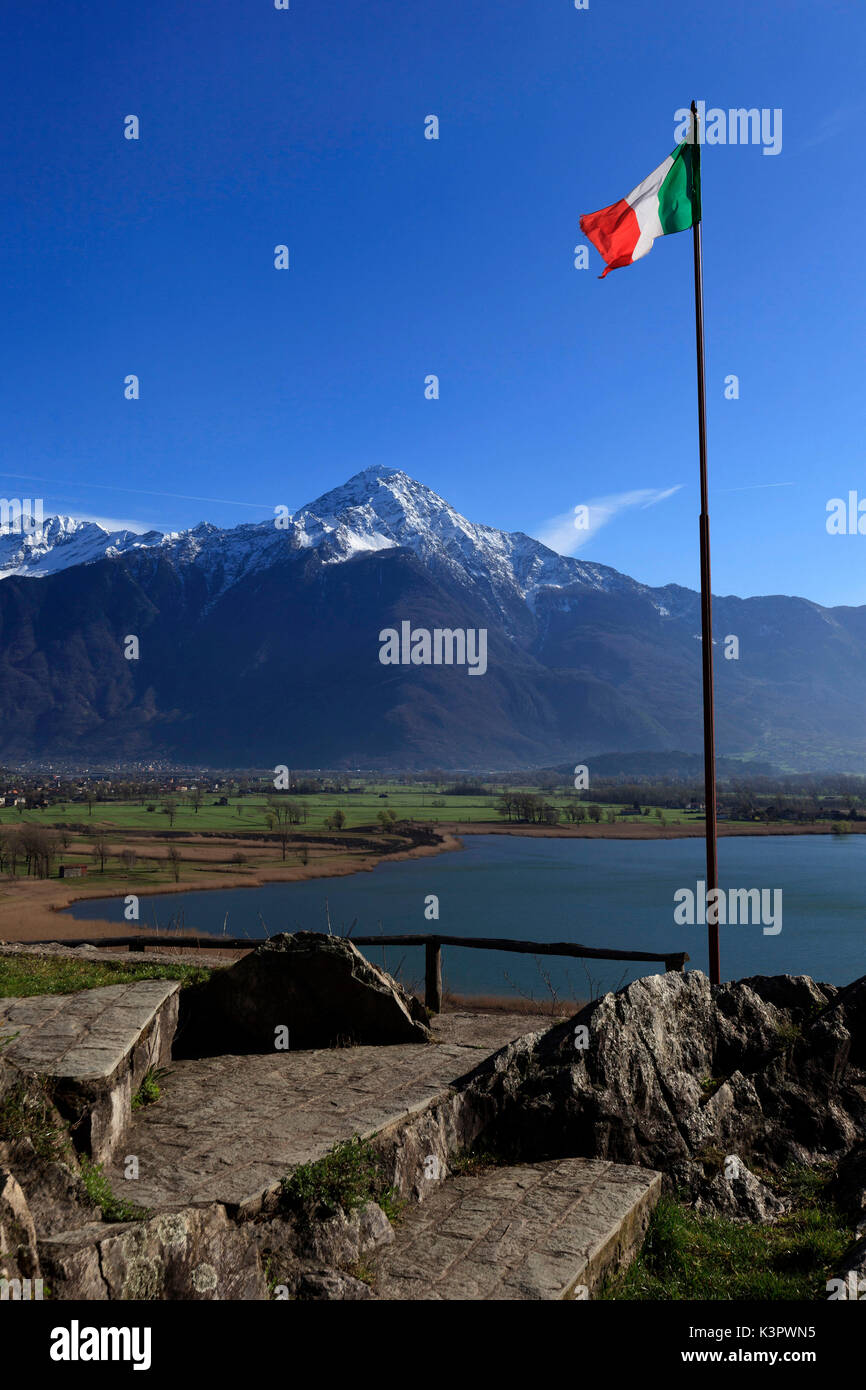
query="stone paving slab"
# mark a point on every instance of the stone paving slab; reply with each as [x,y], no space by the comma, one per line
[85,1036]
[228,1128]
[535,1231]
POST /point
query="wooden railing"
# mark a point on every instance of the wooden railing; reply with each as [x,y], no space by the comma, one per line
[674,960]
[432,943]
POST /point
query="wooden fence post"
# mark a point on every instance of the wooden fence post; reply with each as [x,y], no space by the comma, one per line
[433,981]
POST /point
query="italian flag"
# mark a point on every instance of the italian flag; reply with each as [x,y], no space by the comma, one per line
[668,200]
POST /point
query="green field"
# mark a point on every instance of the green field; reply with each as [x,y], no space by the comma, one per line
[248,814]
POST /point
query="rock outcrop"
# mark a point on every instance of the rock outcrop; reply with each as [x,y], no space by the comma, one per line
[313,1260]
[18,1255]
[320,989]
[705,1083]
[193,1254]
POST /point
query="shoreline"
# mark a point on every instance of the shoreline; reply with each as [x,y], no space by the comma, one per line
[632,830]
[41,910]
[37,905]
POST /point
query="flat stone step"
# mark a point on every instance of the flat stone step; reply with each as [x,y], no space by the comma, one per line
[228,1129]
[95,1045]
[85,1035]
[548,1230]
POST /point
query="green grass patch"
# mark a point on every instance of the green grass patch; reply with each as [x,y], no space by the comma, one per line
[343,1180]
[21,976]
[99,1189]
[248,814]
[687,1256]
[148,1092]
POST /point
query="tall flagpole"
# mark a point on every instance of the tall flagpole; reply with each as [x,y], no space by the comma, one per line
[706,591]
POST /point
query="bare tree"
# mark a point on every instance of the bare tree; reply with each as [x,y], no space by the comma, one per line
[10,850]
[280,818]
[173,856]
[100,851]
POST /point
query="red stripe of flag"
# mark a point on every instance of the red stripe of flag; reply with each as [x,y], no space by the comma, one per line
[614,233]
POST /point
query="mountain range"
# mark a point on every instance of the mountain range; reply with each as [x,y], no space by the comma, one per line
[259,645]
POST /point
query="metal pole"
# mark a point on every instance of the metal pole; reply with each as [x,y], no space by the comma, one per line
[706,599]
[706,590]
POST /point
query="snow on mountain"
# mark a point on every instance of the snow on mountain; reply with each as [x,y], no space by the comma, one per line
[377,509]
[382,507]
[29,546]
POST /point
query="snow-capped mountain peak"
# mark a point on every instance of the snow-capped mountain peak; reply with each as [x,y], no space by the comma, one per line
[35,546]
[379,508]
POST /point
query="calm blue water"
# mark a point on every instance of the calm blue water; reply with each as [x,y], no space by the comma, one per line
[598,892]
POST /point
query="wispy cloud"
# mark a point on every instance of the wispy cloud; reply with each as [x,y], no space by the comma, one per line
[137,491]
[834,125]
[561,534]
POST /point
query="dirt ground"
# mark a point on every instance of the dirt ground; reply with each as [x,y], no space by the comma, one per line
[31,908]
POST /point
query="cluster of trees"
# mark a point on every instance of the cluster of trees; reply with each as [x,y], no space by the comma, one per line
[761,800]
[527,808]
[660,792]
[34,846]
[747,806]
[804,797]
[282,815]
[463,787]
[36,849]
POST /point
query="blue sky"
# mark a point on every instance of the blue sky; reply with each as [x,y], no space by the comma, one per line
[454,257]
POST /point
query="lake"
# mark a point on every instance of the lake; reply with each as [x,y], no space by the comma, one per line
[605,893]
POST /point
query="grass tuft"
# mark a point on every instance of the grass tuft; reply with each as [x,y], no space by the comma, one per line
[149,1091]
[343,1180]
[99,1189]
[687,1256]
